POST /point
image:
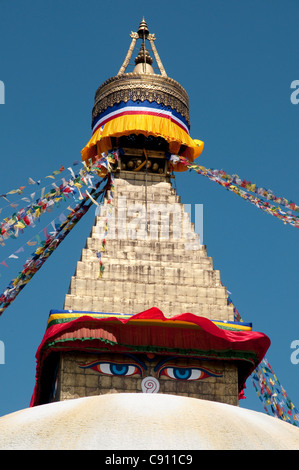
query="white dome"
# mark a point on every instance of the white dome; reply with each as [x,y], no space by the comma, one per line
[143,422]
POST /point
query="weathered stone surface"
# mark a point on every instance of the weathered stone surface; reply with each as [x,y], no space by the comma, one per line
[165,266]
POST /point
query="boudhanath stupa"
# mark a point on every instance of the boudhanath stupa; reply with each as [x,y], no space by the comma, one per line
[146,352]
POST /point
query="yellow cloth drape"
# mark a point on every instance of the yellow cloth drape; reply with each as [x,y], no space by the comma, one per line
[147,125]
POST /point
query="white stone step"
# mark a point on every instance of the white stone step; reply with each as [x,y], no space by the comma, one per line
[133,306]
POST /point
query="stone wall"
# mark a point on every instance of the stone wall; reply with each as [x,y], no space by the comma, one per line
[75,381]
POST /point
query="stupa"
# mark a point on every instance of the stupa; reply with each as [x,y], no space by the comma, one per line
[145,353]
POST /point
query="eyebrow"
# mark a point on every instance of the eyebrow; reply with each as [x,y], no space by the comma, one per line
[118,360]
[163,361]
[136,359]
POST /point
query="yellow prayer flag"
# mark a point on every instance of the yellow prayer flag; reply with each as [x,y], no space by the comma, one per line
[20,224]
[13,191]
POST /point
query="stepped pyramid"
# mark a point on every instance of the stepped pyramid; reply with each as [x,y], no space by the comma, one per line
[160,263]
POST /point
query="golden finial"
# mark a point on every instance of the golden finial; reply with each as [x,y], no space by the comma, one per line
[143,31]
[143,59]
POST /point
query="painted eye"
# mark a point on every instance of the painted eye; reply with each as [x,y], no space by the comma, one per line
[183,373]
[117,369]
[113,368]
[187,373]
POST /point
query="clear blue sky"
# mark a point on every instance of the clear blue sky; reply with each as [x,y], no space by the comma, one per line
[236,60]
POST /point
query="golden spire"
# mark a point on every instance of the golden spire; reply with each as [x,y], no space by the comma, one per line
[143,31]
[143,62]
[141,91]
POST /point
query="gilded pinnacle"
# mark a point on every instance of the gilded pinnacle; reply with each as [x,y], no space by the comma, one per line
[143,31]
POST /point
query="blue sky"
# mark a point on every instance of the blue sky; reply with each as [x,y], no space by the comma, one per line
[237,61]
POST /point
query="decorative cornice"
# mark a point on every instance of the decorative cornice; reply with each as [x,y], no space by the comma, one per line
[141,87]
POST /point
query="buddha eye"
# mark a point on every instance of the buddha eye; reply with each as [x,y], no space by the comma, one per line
[114,368]
[110,368]
[185,373]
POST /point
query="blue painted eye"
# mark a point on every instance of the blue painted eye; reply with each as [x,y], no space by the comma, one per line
[180,373]
[113,368]
[120,369]
[184,373]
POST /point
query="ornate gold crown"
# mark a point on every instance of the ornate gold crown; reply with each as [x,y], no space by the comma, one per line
[143,83]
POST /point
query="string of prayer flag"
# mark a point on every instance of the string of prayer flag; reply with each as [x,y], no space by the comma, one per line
[52,241]
[268,388]
[259,197]
[11,226]
[43,251]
